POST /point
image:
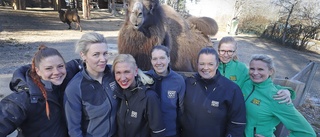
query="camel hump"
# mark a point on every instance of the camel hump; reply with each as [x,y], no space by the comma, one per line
[206,25]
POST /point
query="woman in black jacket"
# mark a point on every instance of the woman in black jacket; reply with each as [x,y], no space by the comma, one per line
[35,107]
[213,104]
[139,113]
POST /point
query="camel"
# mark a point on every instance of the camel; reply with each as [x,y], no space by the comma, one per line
[148,23]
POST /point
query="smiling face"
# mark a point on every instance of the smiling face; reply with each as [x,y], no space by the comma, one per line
[207,66]
[52,69]
[125,74]
[226,52]
[160,62]
[96,58]
[259,71]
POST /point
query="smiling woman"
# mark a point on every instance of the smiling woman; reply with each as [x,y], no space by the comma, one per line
[89,103]
[215,101]
[37,98]
[139,112]
[258,92]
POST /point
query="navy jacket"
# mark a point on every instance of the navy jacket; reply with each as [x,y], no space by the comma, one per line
[139,113]
[25,108]
[171,89]
[90,107]
[213,108]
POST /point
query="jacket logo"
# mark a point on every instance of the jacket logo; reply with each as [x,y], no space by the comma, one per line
[233,78]
[134,114]
[214,103]
[256,101]
[112,85]
[172,94]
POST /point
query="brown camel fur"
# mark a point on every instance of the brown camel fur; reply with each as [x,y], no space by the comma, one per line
[148,24]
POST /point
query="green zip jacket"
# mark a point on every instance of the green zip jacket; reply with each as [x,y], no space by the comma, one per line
[238,72]
[264,113]
[235,71]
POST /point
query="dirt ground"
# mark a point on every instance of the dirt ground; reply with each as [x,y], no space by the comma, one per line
[21,32]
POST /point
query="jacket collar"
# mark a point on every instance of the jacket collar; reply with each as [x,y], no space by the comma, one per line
[139,89]
[214,79]
[158,77]
[263,84]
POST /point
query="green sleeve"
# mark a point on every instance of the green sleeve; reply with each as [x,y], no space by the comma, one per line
[293,120]
[292,92]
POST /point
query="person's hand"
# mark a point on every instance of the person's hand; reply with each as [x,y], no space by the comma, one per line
[284,96]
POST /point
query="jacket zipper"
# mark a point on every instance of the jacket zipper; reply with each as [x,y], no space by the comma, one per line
[110,102]
[127,112]
[250,94]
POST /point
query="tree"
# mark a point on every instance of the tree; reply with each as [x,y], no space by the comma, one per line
[287,7]
[56,4]
[309,17]
[112,7]
[238,5]
[304,14]
[19,4]
[86,9]
[178,5]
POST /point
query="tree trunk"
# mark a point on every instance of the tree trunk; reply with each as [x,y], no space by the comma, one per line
[286,26]
[19,4]
[78,5]
[113,7]
[273,29]
[109,6]
[177,5]
[56,5]
[73,4]
[86,9]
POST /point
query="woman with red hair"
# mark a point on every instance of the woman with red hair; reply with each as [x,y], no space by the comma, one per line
[36,108]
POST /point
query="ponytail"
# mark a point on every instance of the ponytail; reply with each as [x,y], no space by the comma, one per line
[37,80]
[43,52]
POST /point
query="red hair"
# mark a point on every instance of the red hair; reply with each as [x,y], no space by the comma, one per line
[43,52]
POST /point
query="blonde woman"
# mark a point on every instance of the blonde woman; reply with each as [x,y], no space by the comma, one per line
[263,112]
[89,103]
[139,112]
[236,71]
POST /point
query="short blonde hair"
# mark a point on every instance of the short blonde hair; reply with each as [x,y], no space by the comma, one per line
[88,39]
[266,59]
[124,58]
[127,58]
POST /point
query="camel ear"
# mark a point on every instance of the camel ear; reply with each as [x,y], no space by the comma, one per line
[151,9]
[154,3]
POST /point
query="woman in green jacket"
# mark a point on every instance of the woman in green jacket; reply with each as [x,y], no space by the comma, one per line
[237,71]
[263,112]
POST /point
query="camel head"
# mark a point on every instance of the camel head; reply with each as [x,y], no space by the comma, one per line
[140,11]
